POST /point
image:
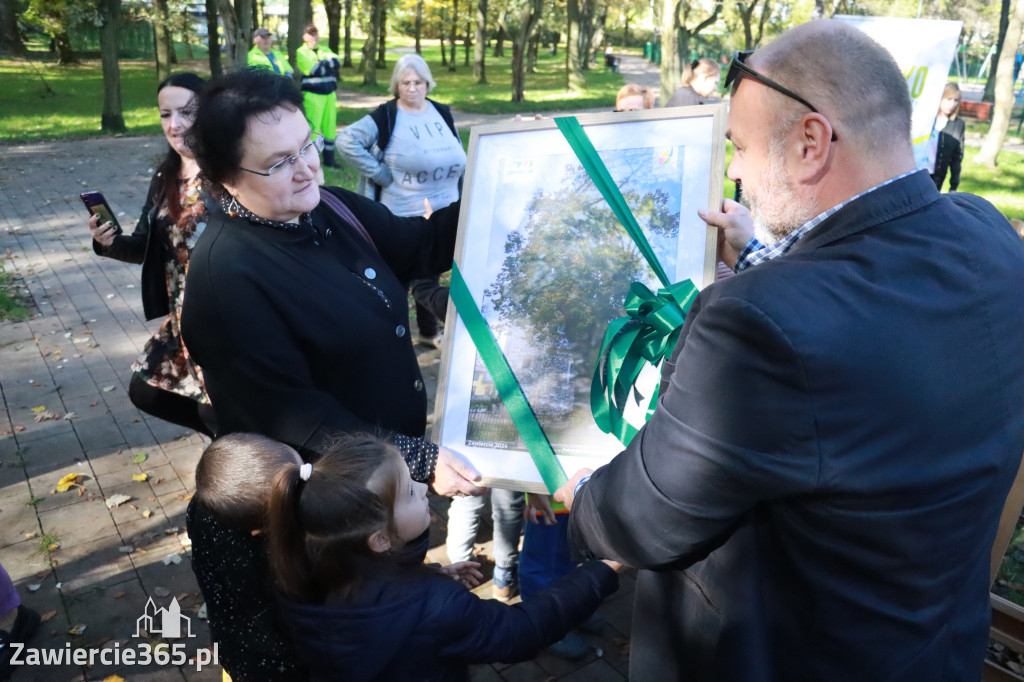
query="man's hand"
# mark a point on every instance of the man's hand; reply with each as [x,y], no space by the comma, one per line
[567,492]
[735,228]
[539,503]
[454,476]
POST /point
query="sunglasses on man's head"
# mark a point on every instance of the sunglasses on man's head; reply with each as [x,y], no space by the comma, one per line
[738,70]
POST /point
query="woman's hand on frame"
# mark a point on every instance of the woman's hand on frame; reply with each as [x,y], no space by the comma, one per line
[454,476]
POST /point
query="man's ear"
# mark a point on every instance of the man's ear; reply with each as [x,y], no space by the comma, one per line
[815,147]
[379,542]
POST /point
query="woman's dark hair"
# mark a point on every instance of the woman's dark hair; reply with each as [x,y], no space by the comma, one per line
[223,112]
[234,474]
[169,168]
[318,530]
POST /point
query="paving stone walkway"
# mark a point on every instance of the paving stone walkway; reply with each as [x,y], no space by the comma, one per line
[63,378]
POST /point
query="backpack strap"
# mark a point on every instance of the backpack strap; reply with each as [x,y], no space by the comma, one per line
[346,214]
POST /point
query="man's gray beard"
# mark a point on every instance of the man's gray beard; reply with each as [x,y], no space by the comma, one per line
[776,208]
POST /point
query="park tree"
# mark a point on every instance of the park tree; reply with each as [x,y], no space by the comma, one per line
[160,18]
[523,17]
[993,74]
[453,33]
[236,18]
[346,59]
[10,36]
[479,47]
[112,118]
[1004,98]
[574,79]
[382,36]
[680,20]
[300,13]
[212,26]
[753,15]
[368,63]
[332,8]
[55,17]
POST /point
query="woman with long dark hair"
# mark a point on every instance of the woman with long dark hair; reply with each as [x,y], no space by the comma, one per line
[165,382]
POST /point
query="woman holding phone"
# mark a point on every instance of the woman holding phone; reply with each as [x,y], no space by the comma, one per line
[165,382]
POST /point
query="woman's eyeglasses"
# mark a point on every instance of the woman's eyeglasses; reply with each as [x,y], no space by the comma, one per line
[287,163]
[738,69]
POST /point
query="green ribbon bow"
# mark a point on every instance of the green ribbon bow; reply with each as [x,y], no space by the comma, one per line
[653,322]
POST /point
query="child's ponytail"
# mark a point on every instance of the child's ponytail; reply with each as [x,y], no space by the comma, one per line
[285,538]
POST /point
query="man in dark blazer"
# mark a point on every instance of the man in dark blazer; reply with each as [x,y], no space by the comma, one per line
[817,494]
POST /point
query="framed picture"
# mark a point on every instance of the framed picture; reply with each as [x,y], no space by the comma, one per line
[549,265]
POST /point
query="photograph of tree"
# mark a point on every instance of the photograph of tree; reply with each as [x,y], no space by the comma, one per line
[549,266]
[564,271]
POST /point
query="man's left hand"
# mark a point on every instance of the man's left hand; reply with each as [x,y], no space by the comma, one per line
[454,476]
[566,493]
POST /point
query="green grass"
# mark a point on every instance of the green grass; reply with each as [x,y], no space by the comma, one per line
[11,308]
[1001,185]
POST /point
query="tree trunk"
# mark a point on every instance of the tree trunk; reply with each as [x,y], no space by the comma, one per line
[382,36]
[62,43]
[527,22]
[453,34]
[466,42]
[444,45]
[479,49]
[333,10]
[112,118]
[670,62]
[298,14]
[368,63]
[229,20]
[532,53]
[10,37]
[212,41]
[1003,108]
[499,39]
[993,73]
[419,25]
[347,58]
[574,80]
[244,12]
[161,25]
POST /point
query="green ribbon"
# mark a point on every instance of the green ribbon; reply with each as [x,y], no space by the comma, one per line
[505,381]
[653,322]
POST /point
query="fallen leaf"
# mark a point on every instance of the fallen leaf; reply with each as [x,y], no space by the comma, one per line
[108,389]
[41,408]
[46,416]
[202,612]
[113,678]
[34,587]
[117,500]
[19,429]
[140,458]
[94,403]
[70,481]
[172,559]
[77,630]
[70,415]
[29,536]
[125,549]
[118,595]
[140,477]
[133,507]
[47,616]
[146,513]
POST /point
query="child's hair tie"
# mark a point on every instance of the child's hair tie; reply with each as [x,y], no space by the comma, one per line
[305,471]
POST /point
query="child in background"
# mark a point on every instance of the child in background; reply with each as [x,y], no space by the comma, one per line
[357,613]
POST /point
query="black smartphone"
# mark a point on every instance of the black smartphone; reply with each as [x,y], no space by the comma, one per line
[97,205]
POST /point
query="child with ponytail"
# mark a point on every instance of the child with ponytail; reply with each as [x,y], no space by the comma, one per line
[357,610]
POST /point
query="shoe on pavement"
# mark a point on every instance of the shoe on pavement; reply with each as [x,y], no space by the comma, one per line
[26,624]
[571,648]
[431,341]
[593,625]
[506,586]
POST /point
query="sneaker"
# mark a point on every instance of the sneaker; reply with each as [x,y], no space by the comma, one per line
[431,341]
[26,624]
[571,648]
[504,594]
[593,625]
[505,584]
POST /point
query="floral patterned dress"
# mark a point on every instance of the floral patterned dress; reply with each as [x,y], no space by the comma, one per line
[164,362]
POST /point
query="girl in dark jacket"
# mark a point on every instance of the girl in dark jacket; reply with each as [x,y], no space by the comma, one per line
[357,599]
[951,128]
[165,382]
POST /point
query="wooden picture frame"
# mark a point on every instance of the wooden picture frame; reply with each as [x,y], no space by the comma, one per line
[549,266]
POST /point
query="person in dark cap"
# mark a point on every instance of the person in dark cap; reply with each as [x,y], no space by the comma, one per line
[263,55]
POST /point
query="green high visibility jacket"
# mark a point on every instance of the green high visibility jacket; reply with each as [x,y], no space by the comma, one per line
[319,69]
[279,65]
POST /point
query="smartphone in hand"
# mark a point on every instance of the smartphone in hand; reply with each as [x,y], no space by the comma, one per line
[97,205]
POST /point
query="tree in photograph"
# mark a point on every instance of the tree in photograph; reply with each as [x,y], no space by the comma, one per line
[676,19]
[300,14]
[418,26]
[453,34]
[572,263]
[1003,106]
[112,118]
[10,37]
[160,17]
[523,15]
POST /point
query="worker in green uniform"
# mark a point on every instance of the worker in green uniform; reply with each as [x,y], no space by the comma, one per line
[319,69]
[262,54]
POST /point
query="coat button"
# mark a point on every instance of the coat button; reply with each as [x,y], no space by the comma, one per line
[418,384]
[370,273]
[400,331]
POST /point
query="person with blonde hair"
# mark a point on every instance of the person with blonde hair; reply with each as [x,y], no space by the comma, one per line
[698,84]
[950,152]
[634,97]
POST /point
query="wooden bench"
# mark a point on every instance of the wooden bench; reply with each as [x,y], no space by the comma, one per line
[979,110]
